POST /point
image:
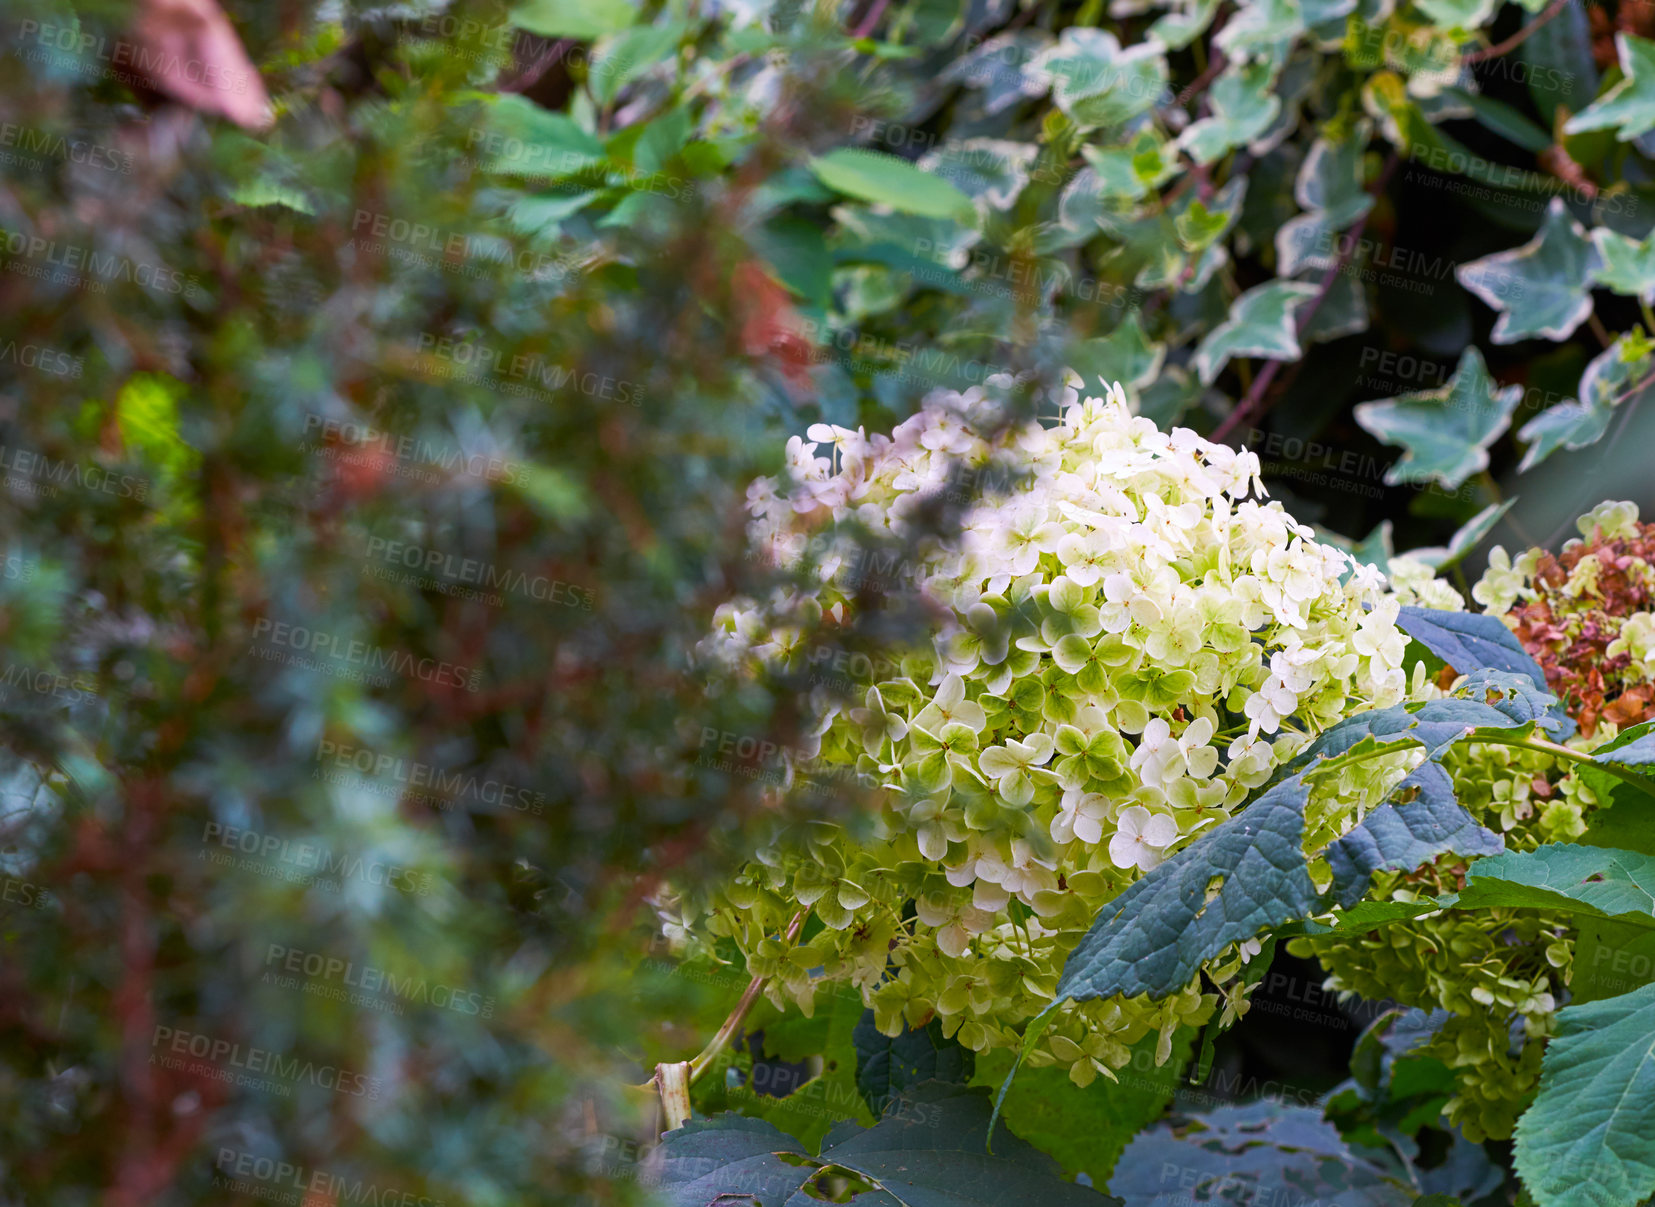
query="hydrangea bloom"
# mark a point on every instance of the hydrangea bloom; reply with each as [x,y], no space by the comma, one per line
[1131,640]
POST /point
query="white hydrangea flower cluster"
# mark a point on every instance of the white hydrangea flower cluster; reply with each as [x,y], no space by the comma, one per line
[1132,642]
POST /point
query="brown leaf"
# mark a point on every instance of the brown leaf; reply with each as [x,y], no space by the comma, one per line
[189,50]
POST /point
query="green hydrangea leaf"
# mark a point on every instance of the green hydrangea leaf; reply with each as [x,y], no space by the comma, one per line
[1446,431]
[931,1151]
[1634,747]
[888,1065]
[1402,836]
[1589,1138]
[1261,323]
[1097,83]
[1611,380]
[1155,936]
[1542,288]
[882,179]
[728,1155]
[1628,108]
[1260,1152]
[1469,641]
[1602,881]
[532,141]
[1243,106]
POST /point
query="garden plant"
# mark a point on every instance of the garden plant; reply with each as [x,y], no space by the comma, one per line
[898,602]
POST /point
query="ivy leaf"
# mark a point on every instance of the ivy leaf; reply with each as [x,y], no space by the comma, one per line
[1611,380]
[1129,171]
[887,1065]
[1125,355]
[1458,14]
[1542,288]
[1446,431]
[991,171]
[1601,881]
[1243,107]
[1465,538]
[1154,937]
[1629,107]
[1626,266]
[1261,324]
[1261,28]
[1329,189]
[1469,641]
[882,179]
[1096,83]
[1589,1138]
[1401,837]
[1003,69]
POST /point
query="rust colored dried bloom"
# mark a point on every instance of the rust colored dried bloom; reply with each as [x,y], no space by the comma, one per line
[1569,617]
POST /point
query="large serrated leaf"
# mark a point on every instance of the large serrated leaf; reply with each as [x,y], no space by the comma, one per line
[929,1151]
[1154,937]
[1263,1152]
[1589,1138]
[888,1065]
[1602,881]
[1400,837]
[1469,641]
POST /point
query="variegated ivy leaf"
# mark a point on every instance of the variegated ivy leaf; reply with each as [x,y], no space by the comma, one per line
[1261,323]
[1097,83]
[1626,266]
[1458,14]
[1262,28]
[1184,20]
[1172,258]
[1446,431]
[1329,190]
[1541,288]
[1439,558]
[1344,311]
[1125,355]
[990,171]
[1243,108]
[1002,69]
[1615,375]
[1629,107]
[1129,171]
